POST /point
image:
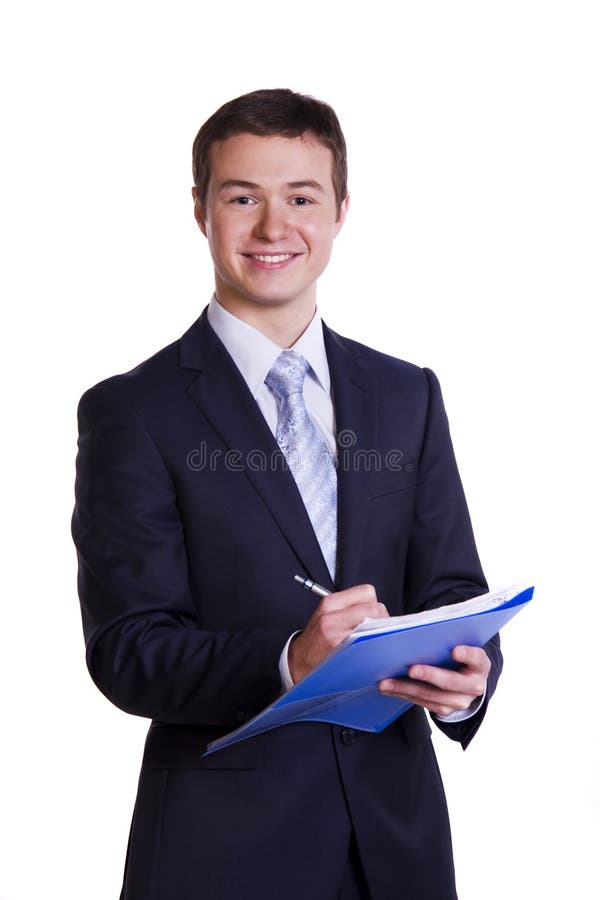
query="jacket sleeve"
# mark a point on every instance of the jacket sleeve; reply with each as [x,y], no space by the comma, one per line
[442,562]
[145,648]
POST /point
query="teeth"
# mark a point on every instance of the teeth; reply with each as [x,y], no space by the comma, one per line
[272,259]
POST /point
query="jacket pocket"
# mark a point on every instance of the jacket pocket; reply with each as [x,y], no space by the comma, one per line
[181,747]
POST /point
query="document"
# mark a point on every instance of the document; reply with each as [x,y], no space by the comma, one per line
[342,689]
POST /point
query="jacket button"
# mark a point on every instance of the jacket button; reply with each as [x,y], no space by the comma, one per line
[348,736]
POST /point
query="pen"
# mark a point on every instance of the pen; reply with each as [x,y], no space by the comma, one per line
[312,586]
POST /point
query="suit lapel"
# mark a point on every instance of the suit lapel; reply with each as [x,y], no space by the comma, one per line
[355,401]
[224,398]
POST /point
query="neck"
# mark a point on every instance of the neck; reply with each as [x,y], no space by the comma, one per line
[282,323]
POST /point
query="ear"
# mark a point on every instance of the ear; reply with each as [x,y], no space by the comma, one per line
[342,216]
[198,212]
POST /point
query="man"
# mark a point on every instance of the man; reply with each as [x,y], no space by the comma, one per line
[190,528]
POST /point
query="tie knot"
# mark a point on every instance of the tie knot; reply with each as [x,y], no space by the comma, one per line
[286,375]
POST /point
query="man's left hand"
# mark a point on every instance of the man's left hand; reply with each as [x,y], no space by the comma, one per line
[443,691]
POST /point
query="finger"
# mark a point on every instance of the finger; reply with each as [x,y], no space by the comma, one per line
[358,595]
[474,657]
[427,696]
[466,681]
[344,620]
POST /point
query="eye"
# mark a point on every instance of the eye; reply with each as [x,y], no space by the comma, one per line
[301,201]
[243,201]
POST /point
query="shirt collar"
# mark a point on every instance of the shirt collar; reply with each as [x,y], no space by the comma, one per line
[254,353]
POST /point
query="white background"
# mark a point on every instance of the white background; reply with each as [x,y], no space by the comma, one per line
[471,247]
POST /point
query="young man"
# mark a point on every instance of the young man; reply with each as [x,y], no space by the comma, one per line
[190,528]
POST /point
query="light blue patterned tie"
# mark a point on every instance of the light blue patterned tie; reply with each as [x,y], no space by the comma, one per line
[305,450]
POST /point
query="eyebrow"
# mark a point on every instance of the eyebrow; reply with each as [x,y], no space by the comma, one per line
[249,185]
[298,185]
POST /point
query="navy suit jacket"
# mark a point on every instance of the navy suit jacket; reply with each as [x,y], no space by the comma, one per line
[189,530]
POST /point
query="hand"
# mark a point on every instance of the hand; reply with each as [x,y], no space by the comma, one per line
[442,691]
[332,621]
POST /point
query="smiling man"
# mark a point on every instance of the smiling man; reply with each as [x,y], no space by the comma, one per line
[186,571]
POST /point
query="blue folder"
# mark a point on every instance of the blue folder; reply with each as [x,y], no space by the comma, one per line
[342,689]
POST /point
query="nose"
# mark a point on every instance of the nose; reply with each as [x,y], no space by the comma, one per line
[272,224]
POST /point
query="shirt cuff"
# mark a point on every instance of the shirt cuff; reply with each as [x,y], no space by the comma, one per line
[287,681]
[461,715]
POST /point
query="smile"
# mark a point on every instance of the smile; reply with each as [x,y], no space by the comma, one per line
[279,257]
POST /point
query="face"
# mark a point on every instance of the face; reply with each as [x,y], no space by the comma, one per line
[270,218]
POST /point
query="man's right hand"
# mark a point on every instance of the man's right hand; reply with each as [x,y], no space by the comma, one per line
[332,621]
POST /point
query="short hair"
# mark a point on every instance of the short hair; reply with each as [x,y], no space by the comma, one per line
[272,112]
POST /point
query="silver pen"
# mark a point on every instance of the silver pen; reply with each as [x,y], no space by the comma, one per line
[312,586]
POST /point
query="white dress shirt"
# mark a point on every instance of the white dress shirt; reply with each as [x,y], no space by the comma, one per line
[254,354]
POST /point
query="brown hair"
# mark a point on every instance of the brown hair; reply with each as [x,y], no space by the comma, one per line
[266,112]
